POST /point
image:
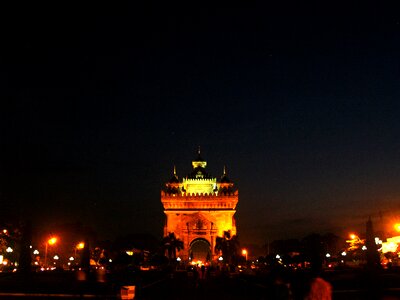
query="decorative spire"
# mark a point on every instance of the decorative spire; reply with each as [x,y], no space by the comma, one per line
[199,161]
[224,177]
[174,178]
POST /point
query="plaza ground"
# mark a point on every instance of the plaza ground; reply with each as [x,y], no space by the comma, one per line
[347,284]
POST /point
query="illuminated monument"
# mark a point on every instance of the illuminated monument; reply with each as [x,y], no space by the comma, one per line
[199,208]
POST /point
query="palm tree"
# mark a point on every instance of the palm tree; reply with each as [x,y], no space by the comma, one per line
[228,245]
[172,244]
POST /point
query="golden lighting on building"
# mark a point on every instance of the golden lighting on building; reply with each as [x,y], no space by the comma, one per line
[198,209]
[391,245]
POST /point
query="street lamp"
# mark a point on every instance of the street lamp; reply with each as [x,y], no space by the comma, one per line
[79,246]
[50,242]
[244,252]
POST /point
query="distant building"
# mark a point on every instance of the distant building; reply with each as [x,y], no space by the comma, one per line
[198,208]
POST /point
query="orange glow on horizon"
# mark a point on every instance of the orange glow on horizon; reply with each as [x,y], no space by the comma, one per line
[397,227]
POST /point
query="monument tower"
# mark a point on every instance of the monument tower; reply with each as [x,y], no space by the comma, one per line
[198,208]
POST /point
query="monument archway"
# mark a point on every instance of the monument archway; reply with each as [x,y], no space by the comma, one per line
[198,209]
[200,250]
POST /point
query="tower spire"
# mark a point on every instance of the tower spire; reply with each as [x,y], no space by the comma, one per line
[224,172]
[174,170]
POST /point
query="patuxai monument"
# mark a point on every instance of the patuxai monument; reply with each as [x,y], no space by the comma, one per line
[199,208]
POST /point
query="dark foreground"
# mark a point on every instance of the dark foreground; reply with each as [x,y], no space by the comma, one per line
[346,284]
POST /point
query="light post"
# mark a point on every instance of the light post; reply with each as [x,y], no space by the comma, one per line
[51,242]
[79,246]
[244,252]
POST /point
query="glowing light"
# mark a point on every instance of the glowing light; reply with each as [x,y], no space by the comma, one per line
[353,236]
[344,253]
[278,256]
[71,258]
[56,257]
[81,245]
[5,231]
[244,252]
[364,248]
[389,247]
[220,258]
[397,227]
[178,259]
[130,253]
[395,239]
[392,244]
[1,259]
[110,260]
[36,252]
[328,255]
[52,241]
[9,250]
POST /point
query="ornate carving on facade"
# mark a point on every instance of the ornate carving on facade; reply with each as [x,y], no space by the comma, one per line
[199,207]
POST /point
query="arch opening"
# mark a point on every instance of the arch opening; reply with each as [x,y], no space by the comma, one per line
[200,250]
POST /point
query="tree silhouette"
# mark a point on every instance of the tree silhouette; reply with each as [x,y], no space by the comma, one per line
[85,259]
[25,258]
[313,249]
[172,244]
[228,245]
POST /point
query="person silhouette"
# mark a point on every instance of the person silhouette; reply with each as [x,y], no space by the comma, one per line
[320,289]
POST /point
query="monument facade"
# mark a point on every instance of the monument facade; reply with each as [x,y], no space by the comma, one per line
[198,208]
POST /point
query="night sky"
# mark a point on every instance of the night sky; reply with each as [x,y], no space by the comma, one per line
[301,103]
